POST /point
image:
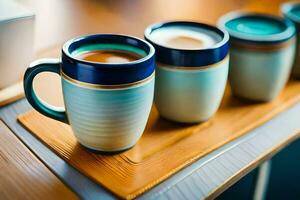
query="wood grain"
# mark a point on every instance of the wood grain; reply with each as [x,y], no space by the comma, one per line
[165,147]
[11,93]
[23,176]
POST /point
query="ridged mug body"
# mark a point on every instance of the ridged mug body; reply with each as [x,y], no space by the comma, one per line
[108,119]
[262,50]
[190,95]
[190,80]
[107,101]
[260,75]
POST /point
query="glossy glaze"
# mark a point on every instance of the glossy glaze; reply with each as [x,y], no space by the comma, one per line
[190,95]
[258,28]
[108,119]
[190,83]
[261,60]
[194,57]
[260,75]
[107,73]
[106,104]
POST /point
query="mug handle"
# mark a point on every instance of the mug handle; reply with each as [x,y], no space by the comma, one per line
[38,66]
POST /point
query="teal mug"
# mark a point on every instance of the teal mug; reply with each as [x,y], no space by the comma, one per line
[192,69]
[106,104]
[262,49]
[291,11]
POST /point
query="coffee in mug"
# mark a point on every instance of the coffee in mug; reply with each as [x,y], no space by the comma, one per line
[108,86]
[109,56]
[188,38]
[192,68]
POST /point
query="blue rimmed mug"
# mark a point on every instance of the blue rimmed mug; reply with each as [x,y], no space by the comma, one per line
[262,49]
[190,81]
[291,11]
[106,104]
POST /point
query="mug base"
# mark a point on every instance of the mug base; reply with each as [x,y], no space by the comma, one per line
[105,151]
[253,100]
[182,121]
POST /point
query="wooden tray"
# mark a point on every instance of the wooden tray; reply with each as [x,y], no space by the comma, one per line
[11,93]
[165,147]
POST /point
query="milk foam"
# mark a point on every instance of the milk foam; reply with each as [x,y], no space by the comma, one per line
[195,37]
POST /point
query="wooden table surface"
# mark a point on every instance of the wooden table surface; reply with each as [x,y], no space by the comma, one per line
[22,172]
[32,162]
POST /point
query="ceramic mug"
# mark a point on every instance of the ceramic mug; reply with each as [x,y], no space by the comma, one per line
[190,80]
[106,104]
[291,11]
[261,54]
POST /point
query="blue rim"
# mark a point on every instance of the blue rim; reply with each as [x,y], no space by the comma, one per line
[186,57]
[107,73]
[286,9]
[287,34]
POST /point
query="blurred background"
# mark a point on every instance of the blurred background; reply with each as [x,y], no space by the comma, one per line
[60,20]
[56,21]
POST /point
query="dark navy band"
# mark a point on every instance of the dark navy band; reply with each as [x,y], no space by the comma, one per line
[107,73]
[186,57]
[235,37]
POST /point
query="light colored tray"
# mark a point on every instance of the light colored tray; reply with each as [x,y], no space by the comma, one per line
[11,93]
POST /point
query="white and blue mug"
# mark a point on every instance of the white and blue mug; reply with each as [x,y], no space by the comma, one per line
[190,80]
[262,49]
[291,11]
[106,104]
